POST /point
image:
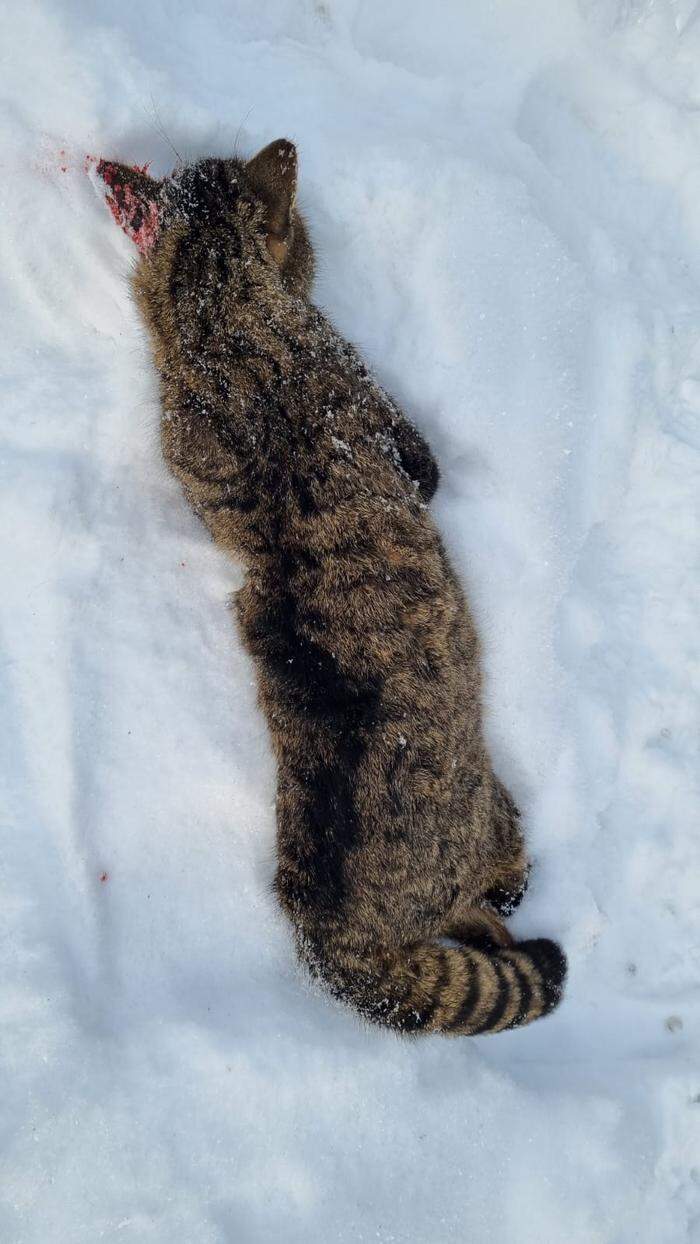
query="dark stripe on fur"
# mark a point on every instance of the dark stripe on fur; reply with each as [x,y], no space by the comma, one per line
[499,1007]
[470,1000]
[525,994]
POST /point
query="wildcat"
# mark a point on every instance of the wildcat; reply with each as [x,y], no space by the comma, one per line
[398,848]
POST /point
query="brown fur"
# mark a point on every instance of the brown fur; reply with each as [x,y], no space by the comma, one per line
[393,833]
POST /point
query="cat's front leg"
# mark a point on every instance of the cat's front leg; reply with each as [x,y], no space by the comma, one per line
[415,457]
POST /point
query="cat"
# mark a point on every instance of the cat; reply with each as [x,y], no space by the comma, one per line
[398,849]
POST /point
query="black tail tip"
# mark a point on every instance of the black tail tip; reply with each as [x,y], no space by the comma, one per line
[550,961]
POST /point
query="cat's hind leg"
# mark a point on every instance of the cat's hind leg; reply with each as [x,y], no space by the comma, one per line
[511,866]
[508,893]
[476,926]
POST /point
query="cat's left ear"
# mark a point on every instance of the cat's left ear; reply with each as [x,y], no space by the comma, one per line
[133,199]
[272,176]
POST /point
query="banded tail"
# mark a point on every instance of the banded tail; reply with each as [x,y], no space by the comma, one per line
[459,991]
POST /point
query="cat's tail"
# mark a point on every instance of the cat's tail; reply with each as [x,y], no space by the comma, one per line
[460,990]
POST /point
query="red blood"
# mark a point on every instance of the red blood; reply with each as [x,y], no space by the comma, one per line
[136,215]
[104,876]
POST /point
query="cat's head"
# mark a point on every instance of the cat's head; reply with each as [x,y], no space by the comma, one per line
[226,222]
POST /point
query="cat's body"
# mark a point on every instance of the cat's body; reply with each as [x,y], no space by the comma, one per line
[392,829]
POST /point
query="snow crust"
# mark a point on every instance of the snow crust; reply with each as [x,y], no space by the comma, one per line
[504,199]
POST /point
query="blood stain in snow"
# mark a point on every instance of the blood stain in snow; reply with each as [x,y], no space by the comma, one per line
[104,877]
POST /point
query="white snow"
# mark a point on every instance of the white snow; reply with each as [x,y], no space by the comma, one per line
[505,199]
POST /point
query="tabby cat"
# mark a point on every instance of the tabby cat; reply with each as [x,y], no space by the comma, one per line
[398,848]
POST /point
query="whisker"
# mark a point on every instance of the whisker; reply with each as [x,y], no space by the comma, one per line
[238,131]
[160,129]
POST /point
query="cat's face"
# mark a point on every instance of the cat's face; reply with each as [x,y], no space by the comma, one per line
[224,221]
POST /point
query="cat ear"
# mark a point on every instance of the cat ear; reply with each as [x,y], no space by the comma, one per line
[133,199]
[272,176]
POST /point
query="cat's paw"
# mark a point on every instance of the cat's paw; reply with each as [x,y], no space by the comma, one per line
[508,895]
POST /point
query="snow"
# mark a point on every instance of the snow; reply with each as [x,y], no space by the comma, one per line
[504,199]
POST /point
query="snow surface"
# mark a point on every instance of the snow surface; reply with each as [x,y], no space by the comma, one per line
[505,202]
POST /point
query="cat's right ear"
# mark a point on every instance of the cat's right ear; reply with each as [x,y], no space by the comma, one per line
[272,176]
[133,199]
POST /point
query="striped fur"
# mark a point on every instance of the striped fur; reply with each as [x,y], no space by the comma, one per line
[458,991]
[393,832]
